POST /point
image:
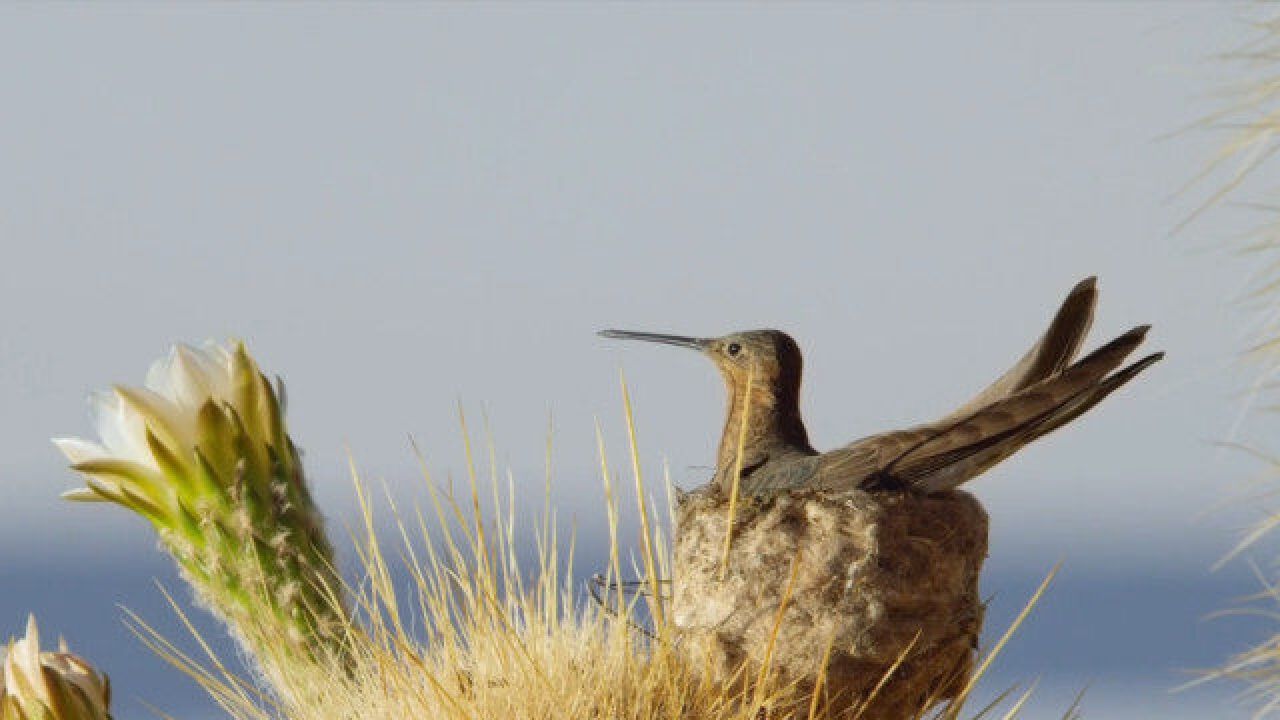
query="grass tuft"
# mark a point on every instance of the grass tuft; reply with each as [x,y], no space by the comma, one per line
[497,642]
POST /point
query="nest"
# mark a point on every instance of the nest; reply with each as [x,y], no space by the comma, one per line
[880,580]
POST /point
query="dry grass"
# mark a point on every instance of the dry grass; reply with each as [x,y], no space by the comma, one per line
[478,636]
[1251,119]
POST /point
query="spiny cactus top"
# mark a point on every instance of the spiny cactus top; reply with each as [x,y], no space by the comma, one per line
[202,452]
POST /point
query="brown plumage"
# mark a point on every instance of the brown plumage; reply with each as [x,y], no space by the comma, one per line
[1046,389]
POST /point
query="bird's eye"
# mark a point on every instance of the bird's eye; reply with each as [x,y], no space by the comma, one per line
[733,349]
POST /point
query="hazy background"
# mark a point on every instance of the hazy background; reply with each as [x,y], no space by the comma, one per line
[401,207]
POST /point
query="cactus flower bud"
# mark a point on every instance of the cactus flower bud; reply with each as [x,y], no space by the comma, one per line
[58,685]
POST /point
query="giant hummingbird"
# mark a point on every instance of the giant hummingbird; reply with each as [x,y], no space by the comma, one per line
[765,441]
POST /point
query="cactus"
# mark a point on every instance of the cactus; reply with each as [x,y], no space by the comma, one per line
[203,454]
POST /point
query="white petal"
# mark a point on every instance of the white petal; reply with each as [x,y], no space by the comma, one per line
[103,486]
[77,672]
[219,360]
[121,429]
[157,377]
[22,667]
[190,379]
[176,387]
[168,420]
[78,450]
[82,495]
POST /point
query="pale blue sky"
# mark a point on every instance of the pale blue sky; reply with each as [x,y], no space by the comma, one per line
[402,205]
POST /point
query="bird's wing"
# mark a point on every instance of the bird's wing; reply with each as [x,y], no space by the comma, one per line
[1049,356]
[944,455]
[856,463]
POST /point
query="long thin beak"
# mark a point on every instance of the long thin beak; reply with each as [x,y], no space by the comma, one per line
[678,340]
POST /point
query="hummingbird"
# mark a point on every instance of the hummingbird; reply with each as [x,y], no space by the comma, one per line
[765,442]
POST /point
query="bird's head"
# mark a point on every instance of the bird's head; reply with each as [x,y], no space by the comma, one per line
[770,358]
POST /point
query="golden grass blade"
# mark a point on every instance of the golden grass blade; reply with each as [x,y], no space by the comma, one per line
[822,677]
[646,530]
[611,519]
[952,712]
[767,666]
[884,679]
[737,474]
[1021,702]
[995,702]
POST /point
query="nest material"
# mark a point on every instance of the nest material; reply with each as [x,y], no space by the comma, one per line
[880,577]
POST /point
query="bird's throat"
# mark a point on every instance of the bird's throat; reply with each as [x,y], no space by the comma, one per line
[766,424]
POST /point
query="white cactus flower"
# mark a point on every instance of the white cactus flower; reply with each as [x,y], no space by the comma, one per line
[168,405]
[201,451]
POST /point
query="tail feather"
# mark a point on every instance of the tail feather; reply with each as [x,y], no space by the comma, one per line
[1086,400]
[953,472]
[966,448]
[1045,390]
[1049,356]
